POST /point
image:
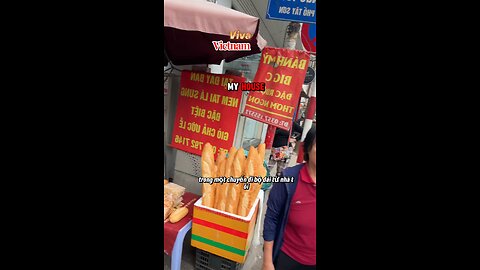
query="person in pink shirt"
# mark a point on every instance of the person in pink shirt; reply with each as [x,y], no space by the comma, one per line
[290,222]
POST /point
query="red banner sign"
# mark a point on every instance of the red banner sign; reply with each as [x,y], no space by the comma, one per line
[206,112]
[283,72]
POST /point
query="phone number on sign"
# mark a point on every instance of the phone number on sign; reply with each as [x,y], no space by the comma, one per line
[267,119]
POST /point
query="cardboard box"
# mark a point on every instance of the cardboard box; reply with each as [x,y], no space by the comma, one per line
[222,233]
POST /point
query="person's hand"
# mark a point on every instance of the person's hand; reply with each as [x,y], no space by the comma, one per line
[268,266]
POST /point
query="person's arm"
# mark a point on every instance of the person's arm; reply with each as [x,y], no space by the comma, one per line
[268,255]
[275,204]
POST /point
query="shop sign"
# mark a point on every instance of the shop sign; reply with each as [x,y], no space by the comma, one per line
[206,112]
[283,72]
[304,11]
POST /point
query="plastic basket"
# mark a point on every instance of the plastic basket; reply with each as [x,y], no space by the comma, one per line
[207,261]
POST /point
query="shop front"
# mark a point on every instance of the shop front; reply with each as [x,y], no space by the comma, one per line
[185,92]
[213,133]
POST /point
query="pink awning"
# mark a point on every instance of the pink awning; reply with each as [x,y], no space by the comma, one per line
[213,21]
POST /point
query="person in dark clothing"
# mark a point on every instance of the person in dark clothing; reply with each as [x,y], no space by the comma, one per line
[282,136]
[282,146]
[289,230]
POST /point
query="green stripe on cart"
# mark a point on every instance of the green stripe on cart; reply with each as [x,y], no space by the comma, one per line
[218,245]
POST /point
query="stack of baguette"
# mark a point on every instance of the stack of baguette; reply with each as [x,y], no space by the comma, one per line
[231,197]
[172,198]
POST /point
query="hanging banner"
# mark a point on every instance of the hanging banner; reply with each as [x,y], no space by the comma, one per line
[206,112]
[283,72]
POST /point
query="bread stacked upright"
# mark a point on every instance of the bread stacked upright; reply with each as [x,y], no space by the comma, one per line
[232,197]
[209,171]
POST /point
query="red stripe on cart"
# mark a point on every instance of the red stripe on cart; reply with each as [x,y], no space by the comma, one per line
[220,228]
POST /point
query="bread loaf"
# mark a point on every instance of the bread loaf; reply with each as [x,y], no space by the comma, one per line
[225,189]
[178,214]
[239,163]
[252,160]
[254,190]
[223,166]
[260,160]
[236,189]
[221,159]
[233,198]
[222,155]
[220,189]
[208,170]
[177,202]
[260,171]
[256,187]
[168,200]
[230,159]
[208,161]
[166,211]
[175,190]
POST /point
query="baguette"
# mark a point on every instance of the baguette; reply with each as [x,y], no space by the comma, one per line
[254,190]
[236,189]
[260,171]
[225,189]
[178,214]
[230,159]
[222,156]
[259,168]
[166,211]
[233,198]
[208,170]
[168,200]
[208,161]
[239,163]
[219,190]
[252,160]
